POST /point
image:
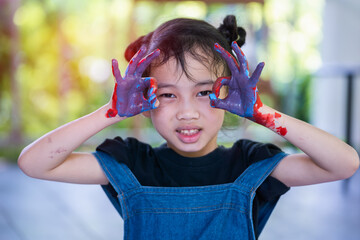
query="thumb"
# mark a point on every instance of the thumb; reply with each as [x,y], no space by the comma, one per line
[217,102]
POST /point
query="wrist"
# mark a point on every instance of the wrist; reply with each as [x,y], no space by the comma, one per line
[268,117]
[102,117]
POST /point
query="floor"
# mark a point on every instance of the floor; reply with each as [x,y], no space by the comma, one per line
[33,209]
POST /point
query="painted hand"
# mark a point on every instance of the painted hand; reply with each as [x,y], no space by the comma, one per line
[242,90]
[128,98]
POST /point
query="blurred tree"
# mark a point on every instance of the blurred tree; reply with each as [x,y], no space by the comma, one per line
[56,54]
[9,61]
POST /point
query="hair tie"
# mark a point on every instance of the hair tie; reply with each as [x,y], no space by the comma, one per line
[238,38]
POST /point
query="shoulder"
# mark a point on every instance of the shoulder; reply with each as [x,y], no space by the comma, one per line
[120,143]
[125,150]
[255,151]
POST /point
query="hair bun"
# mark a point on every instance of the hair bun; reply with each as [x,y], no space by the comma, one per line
[231,31]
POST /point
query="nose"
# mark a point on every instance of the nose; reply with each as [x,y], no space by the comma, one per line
[187,110]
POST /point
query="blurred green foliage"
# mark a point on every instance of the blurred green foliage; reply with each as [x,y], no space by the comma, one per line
[63,51]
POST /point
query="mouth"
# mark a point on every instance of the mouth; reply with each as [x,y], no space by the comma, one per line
[188,134]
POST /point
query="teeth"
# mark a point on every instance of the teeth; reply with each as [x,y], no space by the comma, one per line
[189,132]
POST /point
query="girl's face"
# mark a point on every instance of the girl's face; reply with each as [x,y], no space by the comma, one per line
[184,117]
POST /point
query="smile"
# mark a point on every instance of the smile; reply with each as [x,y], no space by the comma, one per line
[188,132]
[188,135]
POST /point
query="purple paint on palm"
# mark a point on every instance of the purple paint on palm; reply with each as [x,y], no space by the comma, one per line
[242,90]
[128,97]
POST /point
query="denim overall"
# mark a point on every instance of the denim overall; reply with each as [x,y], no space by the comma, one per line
[205,212]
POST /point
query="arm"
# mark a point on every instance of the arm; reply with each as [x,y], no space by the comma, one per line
[52,156]
[325,158]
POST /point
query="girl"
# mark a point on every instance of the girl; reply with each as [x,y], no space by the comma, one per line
[189,188]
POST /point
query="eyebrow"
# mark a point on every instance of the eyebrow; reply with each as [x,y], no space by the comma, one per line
[169,85]
[206,82]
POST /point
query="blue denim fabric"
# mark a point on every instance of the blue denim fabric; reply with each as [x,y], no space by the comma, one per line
[206,212]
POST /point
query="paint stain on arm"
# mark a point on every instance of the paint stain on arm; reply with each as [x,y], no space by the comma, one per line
[268,120]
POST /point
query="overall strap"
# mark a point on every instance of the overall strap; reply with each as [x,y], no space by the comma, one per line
[256,173]
[119,175]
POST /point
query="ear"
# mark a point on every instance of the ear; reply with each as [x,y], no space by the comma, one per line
[146,114]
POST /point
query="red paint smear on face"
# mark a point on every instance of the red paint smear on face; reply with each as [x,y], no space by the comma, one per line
[112,111]
[267,120]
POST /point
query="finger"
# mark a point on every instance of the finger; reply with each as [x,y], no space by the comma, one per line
[244,66]
[230,60]
[150,101]
[115,70]
[134,61]
[221,81]
[256,74]
[213,99]
[217,102]
[145,62]
[151,93]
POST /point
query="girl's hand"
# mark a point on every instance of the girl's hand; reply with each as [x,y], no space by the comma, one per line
[128,98]
[242,90]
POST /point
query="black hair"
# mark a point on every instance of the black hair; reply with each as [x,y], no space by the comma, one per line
[181,36]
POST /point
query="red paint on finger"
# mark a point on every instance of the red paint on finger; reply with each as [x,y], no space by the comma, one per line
[217,46]
[141,61]
[220,49]
[216,87]
[148,56]
[243,54]
[112,111]
[153,84]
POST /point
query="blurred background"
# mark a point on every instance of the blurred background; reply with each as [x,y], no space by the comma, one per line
[55,66]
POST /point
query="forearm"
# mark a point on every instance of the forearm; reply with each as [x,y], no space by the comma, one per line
[325,150]
[52,149]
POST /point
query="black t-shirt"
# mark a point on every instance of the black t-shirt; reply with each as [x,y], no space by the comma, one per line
[161,166]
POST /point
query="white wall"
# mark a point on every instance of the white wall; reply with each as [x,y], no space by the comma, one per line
[340,51]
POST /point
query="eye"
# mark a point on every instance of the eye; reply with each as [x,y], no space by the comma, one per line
[167,95]
[204,93]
